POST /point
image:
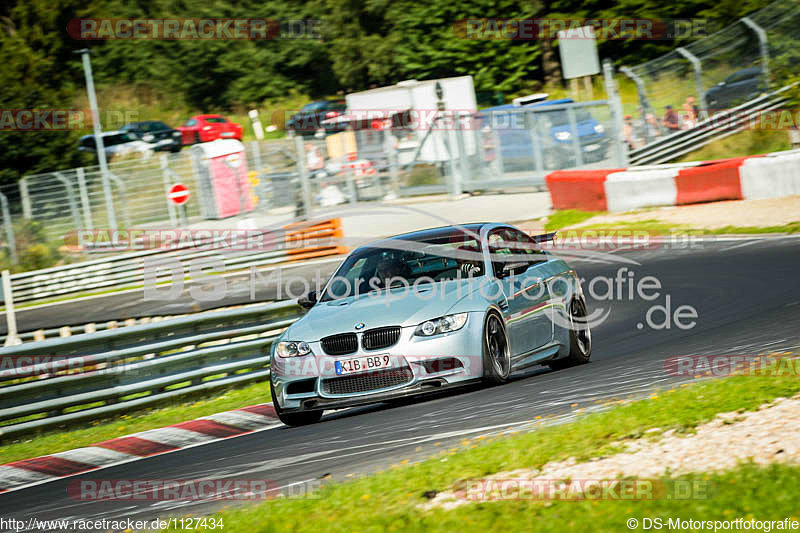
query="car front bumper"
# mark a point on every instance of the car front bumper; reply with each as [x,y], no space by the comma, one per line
[419,365]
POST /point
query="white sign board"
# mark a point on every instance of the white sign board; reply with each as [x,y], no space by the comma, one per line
[578,49]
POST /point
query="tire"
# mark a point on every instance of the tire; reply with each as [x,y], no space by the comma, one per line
[580,338]
[496,353]
[294,419]
[197,139]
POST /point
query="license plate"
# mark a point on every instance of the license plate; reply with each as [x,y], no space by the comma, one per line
[591,147]
[362,364]
[227,134]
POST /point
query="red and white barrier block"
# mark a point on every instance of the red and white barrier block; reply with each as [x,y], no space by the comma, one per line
[743,178]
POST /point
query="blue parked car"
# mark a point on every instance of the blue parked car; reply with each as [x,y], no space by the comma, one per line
[551,130]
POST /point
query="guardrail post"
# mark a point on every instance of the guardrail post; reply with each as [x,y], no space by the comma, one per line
[762,45]
[615,104]
[12,244]
[85,205]
[698,76]
[12,339]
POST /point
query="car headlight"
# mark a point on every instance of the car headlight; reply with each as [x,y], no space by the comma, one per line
[562,135]
[598,128]
[293,349]
[444,324]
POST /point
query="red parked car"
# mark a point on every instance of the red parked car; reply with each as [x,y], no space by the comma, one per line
[204,128]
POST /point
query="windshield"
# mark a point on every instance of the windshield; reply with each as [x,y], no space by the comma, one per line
[561,117]
[313,106]
[406,263]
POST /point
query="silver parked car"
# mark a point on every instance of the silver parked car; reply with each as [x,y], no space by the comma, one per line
[427,310]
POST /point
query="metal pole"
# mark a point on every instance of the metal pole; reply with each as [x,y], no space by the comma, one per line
[73,206]
[12,244]
[643,103]
[254,145]
[98,139]
[12,339]
[27,210]
[87,209]
[698,76]
[762,44]
[465,174]
[304,178]
[538,154]
[576,142]
[616,112]
[498,153]
[166,176]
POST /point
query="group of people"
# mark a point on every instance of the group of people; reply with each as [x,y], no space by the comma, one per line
[637,134]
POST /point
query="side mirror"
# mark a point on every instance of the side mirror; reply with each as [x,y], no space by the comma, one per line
[721,84]
[308,300]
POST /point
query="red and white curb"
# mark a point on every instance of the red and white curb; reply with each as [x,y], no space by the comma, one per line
[28,472]
[757,177]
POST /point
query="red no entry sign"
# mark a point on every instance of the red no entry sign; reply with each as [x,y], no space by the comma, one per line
[179,194]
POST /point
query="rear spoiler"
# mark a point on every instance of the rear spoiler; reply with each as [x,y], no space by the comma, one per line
[545,237]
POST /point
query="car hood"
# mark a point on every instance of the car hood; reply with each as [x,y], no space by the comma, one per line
[403,307]
[585,129]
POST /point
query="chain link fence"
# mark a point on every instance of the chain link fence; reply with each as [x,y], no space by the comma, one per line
[499,149]
[721,71]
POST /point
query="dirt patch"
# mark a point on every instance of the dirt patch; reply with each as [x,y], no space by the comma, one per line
[714,215]
[770,434]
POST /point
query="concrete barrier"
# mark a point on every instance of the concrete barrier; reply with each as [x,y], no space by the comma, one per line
[753,177]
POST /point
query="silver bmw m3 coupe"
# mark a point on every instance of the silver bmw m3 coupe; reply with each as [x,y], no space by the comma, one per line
[427,310]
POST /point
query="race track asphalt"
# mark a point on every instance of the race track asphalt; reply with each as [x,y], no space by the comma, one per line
[747,297]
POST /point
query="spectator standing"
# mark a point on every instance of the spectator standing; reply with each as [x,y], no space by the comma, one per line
[671,120]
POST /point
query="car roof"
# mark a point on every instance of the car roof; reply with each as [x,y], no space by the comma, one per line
[543,103]
[211,115]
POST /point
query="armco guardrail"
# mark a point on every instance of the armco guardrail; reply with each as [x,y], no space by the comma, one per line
[295,242]
[57,381]
[715,127]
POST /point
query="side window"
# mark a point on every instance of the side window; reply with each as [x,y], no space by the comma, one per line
[524,245]
[518,247]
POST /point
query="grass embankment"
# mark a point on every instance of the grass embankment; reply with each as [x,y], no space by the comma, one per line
[61,439]
[748,142]
[568,218]
[391,500]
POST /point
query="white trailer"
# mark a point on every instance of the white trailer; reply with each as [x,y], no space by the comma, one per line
[414,106]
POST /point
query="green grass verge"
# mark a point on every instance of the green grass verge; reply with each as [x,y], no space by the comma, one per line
[658,226]
[568,217]
[389,500]
[59,440]
[748,142]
